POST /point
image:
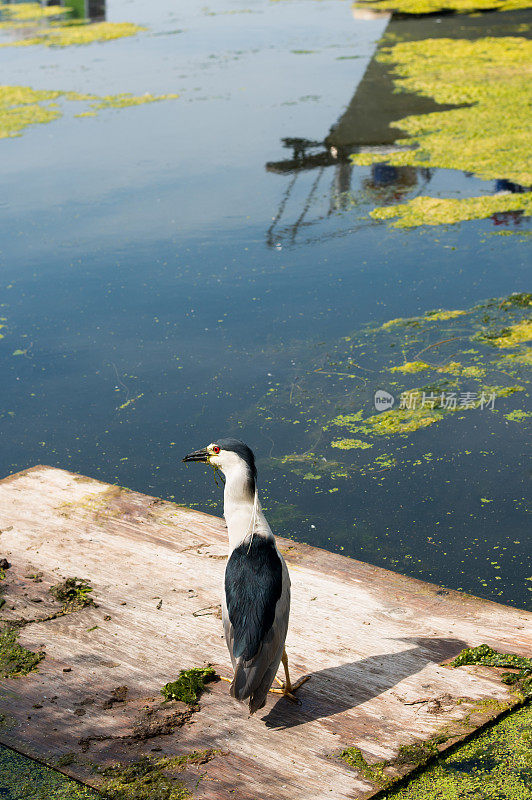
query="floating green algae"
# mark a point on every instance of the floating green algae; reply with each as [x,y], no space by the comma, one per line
[77,32]
[518,415]
[435,6]
[395,355]
[126,100]
[421,407]
[403,488]
[30,12]
[22,106]
[189,685]
[441,211]
[453,368]
[48,25]
[351,444]
[523,357]
[495,764]
[411,366]
[30,780]
[487,134]
[438,315]
[511,336]
[15,660]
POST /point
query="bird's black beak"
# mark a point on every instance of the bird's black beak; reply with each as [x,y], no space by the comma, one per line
[198,455]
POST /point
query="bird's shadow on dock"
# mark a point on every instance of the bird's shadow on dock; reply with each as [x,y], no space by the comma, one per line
[335,689]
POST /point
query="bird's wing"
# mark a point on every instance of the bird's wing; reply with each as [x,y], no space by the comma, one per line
[260,673]
[253,585]
[256,620]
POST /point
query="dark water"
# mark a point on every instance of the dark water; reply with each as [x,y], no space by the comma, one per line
[168,270]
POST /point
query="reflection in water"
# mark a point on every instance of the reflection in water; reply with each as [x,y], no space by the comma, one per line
[306,204]
[503,185]
[94,10]
[367,125]
[389,184]
[364,125]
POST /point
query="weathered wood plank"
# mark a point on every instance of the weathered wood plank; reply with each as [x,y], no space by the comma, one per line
[374,642]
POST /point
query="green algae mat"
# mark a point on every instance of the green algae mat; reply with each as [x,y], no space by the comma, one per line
[416,7]
[495,764]
[27,24]
[487,134]
[435,367]
[24,779]
[53,26]
[22,106]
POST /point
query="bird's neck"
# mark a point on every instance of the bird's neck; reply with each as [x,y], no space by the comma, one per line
[242,509]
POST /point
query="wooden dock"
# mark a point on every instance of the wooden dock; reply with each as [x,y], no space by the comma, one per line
[374,642]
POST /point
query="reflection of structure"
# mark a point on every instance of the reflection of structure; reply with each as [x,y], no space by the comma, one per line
[365,125]
[388,184]
[82,9]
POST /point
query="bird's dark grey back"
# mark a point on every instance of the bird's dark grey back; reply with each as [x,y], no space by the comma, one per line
[253,585]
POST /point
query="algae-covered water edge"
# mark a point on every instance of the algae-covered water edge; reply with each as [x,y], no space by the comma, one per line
[497,763]
[416,7]
[24,779]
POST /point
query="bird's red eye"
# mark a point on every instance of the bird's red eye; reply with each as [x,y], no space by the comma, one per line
[215,449]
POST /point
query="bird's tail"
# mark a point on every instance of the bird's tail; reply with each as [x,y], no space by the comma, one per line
[250,685]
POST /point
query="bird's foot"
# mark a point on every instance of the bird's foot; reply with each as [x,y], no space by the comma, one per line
[288,690]
[299,683]
[284,691]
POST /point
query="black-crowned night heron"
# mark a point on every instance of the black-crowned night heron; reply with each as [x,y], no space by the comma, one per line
[256,601]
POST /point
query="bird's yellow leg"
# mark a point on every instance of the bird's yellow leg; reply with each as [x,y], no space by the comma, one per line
[288,688]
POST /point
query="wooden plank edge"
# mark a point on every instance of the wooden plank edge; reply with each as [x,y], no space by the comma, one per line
[446,748]
[285,544]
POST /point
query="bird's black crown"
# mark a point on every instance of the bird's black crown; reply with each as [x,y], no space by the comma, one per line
[245,453]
